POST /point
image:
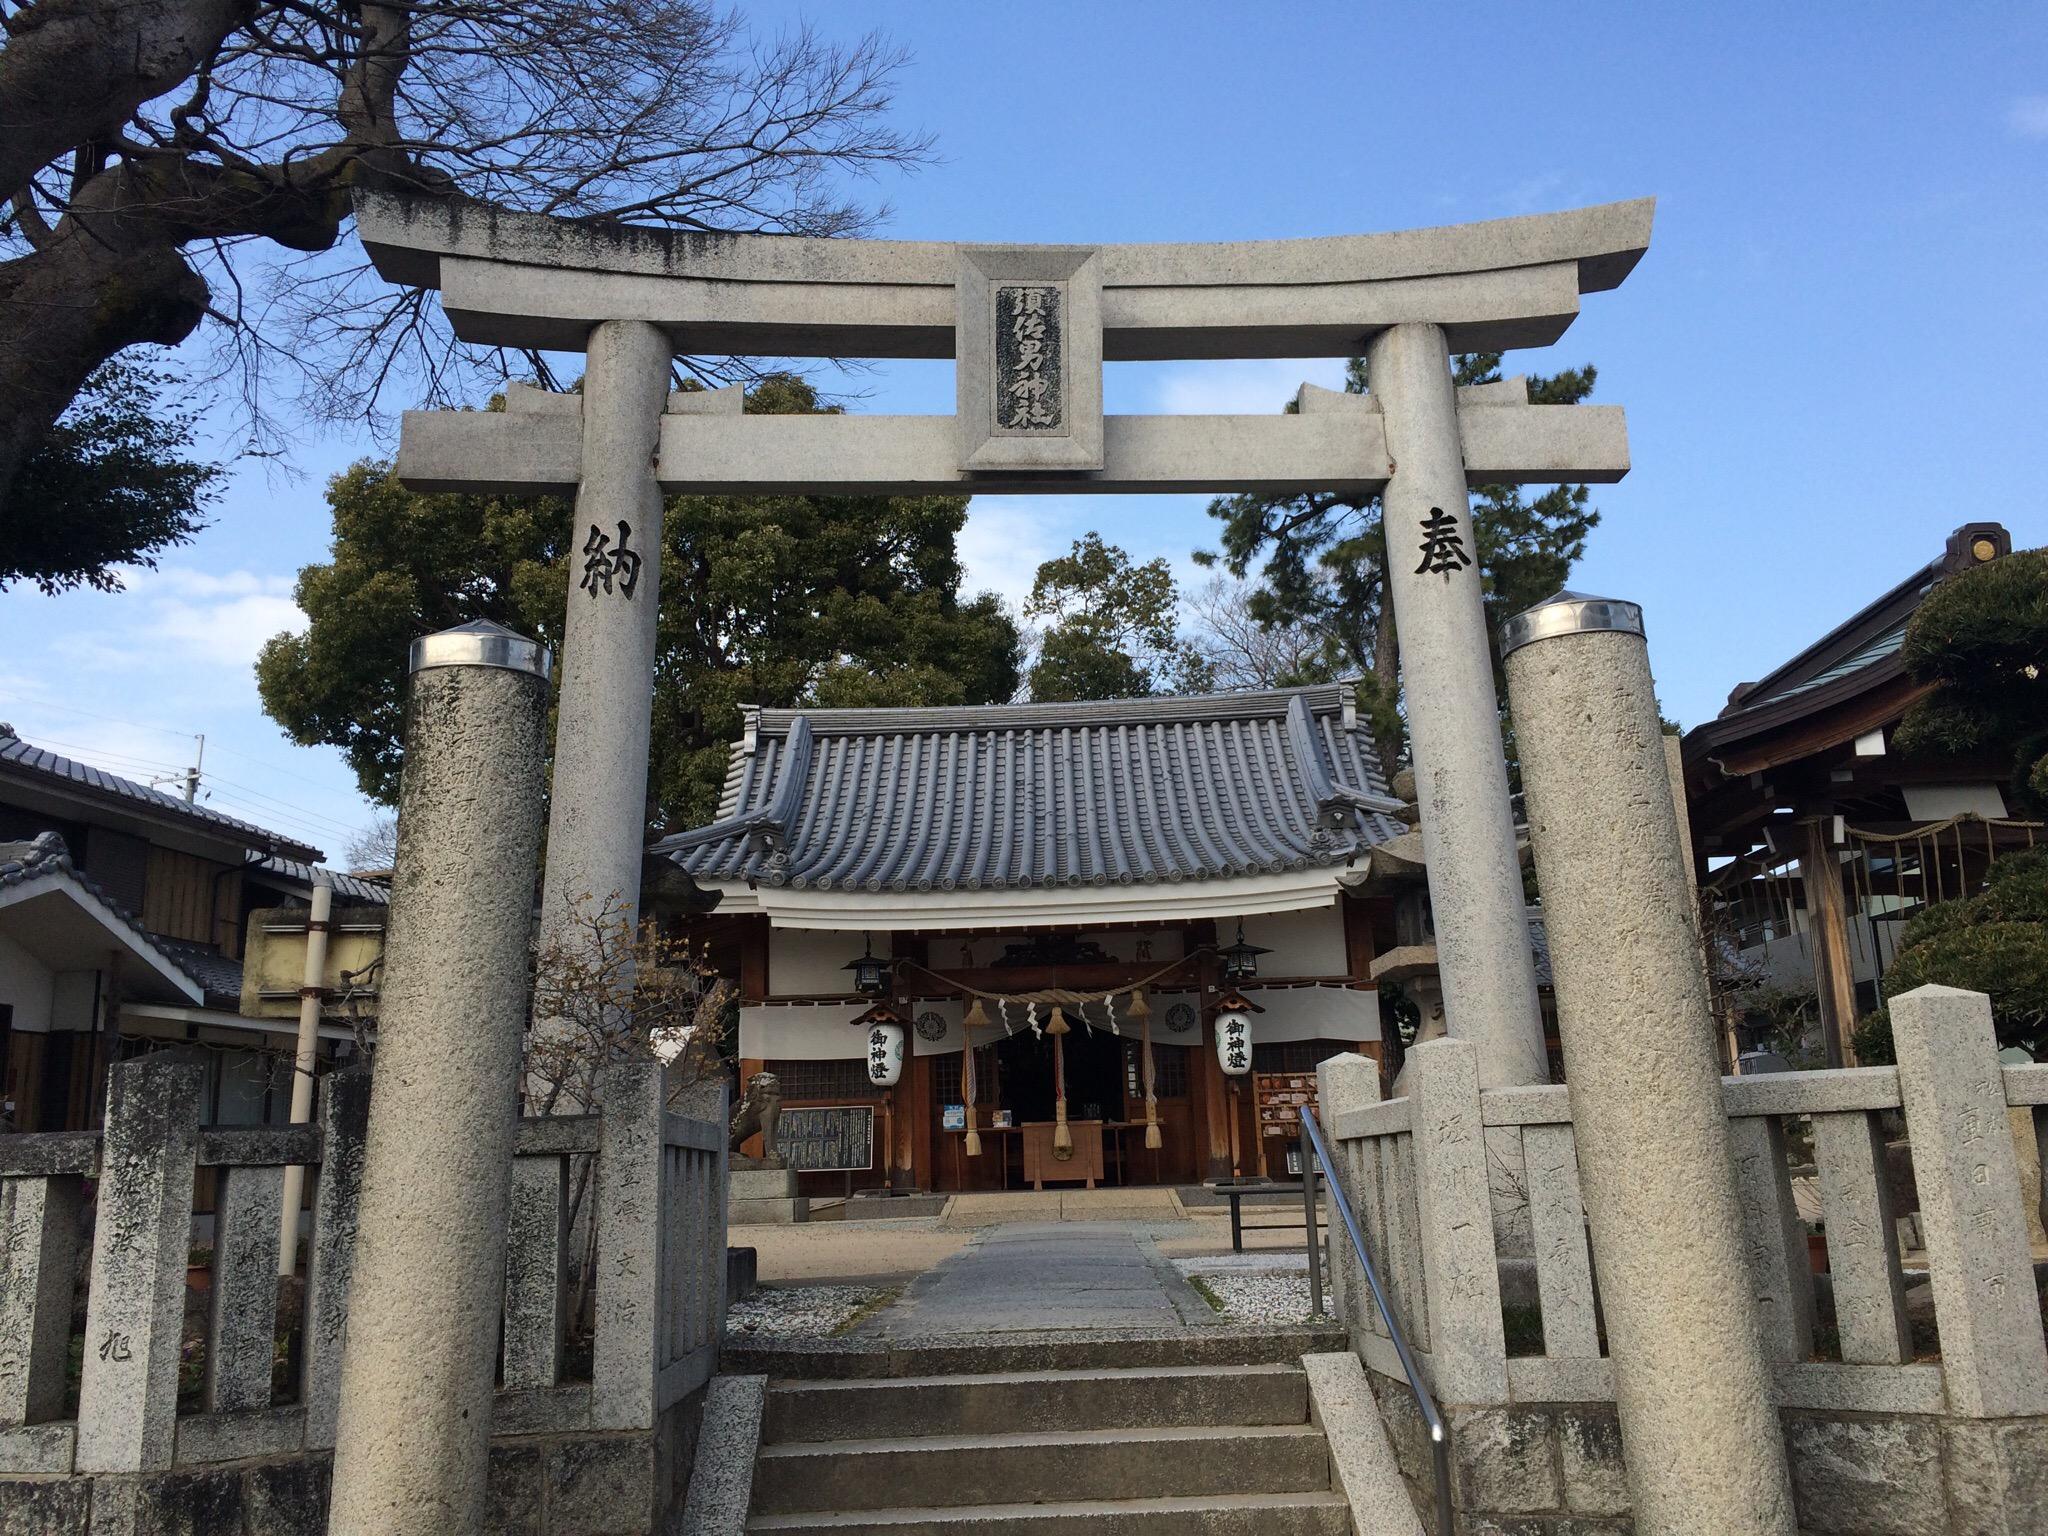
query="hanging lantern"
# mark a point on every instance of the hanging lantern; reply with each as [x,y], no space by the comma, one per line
[885,1044]
[870,975]
[1241,960]
[1234,1033]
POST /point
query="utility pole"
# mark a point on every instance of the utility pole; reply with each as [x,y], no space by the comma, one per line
[190,777]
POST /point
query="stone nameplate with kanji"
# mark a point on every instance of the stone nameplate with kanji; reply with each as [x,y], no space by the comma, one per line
[1029,357]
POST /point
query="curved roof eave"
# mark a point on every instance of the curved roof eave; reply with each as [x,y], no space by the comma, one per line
[1049,906]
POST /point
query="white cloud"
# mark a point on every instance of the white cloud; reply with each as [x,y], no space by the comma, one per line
[1005,541]
[177,619]
[227,634]
[1250,387]
[2028,118]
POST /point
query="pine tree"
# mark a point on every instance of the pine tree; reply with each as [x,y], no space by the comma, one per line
[1320,558]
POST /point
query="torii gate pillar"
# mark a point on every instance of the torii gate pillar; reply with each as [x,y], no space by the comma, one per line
[597,813]
[1461,782]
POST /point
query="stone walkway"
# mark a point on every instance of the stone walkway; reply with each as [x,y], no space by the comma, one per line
[1028,1276]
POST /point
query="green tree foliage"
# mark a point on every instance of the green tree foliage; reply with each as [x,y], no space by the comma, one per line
[1995,942]
[1321,558]
[776,601]
[1981,640]
[1112,627]
[108,485]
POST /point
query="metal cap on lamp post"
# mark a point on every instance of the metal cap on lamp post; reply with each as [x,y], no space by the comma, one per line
[479,643]
[1569,613]
[1656,1154]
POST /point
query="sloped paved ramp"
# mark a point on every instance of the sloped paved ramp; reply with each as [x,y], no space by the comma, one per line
[1067,1275]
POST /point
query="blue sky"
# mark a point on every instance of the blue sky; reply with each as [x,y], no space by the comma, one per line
[1832,355]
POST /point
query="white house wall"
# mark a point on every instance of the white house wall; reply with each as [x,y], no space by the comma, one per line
[1314,1013]
[808,963]
[800,1031]
[1309,943]
[26,984]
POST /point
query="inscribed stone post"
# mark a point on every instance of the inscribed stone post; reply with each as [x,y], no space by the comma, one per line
[416,1380]
[128,1397]
[1993,1358]
[1468,834]
[1697,1409]
[1346,1082]
[344,1124]
[38,1245]
[1467,1340]
[597,815]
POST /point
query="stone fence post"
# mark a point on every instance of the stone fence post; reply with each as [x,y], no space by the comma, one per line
[38,1249]
[413,1438]
[1467,1339]
[1992,1353]
[625,1361]
[344,1127]
[1344,1083]
[128,1397]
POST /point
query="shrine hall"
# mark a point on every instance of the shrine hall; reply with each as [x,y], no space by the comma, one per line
[1015,946]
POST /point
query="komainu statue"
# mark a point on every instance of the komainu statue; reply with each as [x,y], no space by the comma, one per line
[760,1110]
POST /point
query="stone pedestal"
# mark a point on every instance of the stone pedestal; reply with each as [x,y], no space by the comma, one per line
[761,1196]
[1697,1408]
[413,1443]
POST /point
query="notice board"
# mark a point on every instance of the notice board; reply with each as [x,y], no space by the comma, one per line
[828,1138]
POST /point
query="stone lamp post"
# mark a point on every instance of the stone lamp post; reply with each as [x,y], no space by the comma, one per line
[1698,1418]
[413,1439]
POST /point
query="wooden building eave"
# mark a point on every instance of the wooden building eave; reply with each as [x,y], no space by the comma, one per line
[1037,906]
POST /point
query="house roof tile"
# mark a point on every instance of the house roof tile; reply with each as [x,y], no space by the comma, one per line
[20,758]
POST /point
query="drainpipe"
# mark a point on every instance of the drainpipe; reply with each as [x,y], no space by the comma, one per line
[302,1064]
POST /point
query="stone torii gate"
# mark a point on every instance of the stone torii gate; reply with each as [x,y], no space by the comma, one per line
[1030,328]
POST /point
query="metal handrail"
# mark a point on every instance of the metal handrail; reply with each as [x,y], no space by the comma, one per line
[1316,1152]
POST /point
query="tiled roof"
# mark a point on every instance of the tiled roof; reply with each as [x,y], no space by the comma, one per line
[46,857]
[220,977]
[347,888]
[1884,644]
[19,757]
[40,857]
[1111,792]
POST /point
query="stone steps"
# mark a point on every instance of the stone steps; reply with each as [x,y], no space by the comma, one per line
[1040,1466]
[1159,1397]
[952,1354]
[1124,1438]
[1240,1514]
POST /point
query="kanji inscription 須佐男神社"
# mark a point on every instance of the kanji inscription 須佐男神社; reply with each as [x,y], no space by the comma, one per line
[1029,393]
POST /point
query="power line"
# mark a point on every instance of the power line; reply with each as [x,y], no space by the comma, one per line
[248,757]
[293,817]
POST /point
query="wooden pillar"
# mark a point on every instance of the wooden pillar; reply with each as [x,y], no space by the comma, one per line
[753,977]
[1210,1104]
[915,1162]
[1828,930]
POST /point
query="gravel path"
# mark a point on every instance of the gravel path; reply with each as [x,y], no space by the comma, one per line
[1253,1287]
[801,1311]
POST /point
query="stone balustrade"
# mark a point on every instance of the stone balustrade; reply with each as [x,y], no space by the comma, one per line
[564,1448]
[1892,1421]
